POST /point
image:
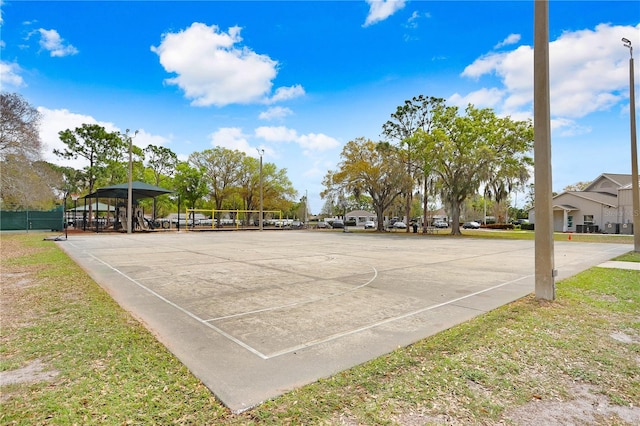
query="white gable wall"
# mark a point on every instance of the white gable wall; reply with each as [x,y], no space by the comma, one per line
[576,209]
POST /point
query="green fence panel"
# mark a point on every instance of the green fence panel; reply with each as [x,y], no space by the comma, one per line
[25,220]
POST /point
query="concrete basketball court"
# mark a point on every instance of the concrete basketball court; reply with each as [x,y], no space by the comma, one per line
[256,314]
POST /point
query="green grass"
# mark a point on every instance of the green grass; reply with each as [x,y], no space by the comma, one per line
[113,371]
[504,234]
[557,236]
[629,257]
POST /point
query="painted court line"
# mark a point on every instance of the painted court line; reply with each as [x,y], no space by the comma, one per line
[185,311]
[311,343]
[390,320]
[289,305]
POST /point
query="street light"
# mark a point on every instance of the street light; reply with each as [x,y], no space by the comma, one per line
[260,153]
[634,152]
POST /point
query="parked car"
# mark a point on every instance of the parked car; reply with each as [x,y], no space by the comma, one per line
[471,225]
[400,225]
[440,224]
[370,225]
[520,222]
[322,224]
[338,223]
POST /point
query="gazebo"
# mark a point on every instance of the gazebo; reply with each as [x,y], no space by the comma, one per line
[139,190]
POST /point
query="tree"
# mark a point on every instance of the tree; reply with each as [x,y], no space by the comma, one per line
[103,150]
[29,185]
[25,181]
[249,183]
[19,134]
[93,143]
[162,163]
[327,207]
[278,191]
[221,168]
[469,149]
[302,209]
[368,168]
[578,186]
[415,114]
[189,183]
[510,170]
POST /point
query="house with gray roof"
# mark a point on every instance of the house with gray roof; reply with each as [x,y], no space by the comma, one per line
[605,205]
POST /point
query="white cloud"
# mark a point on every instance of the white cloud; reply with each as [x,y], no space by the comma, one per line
[565,127]
[51,41]
[317,142]
[275,113]
[55,121]
[143,139]
[272,138]
[213,69]
[286,93]
[318,169]
[511,39]
[276,134]
[379,10]
[9,74]
[309,142]
[412,24]
[483,98]
[588,72]
[231,138]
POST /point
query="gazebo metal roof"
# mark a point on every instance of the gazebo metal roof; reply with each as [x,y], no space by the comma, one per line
[138,190]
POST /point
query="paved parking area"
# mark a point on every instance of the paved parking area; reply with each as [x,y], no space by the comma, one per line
[255,314]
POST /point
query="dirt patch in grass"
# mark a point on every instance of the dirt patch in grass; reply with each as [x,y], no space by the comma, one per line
[585,407]
[35,371]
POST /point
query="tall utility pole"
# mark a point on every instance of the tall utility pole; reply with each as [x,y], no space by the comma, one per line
[130,186]
[634,153]
[544,269]
[306,207]
[260,153]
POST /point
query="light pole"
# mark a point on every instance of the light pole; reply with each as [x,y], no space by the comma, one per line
[260,153]
[75,197]
[306,207]
[130,186]
[634,153]
[342,201]
[65,220]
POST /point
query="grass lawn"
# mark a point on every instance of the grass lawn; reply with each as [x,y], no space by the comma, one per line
[514,234]
[71,355]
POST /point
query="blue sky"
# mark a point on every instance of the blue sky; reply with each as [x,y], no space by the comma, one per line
[299,79]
